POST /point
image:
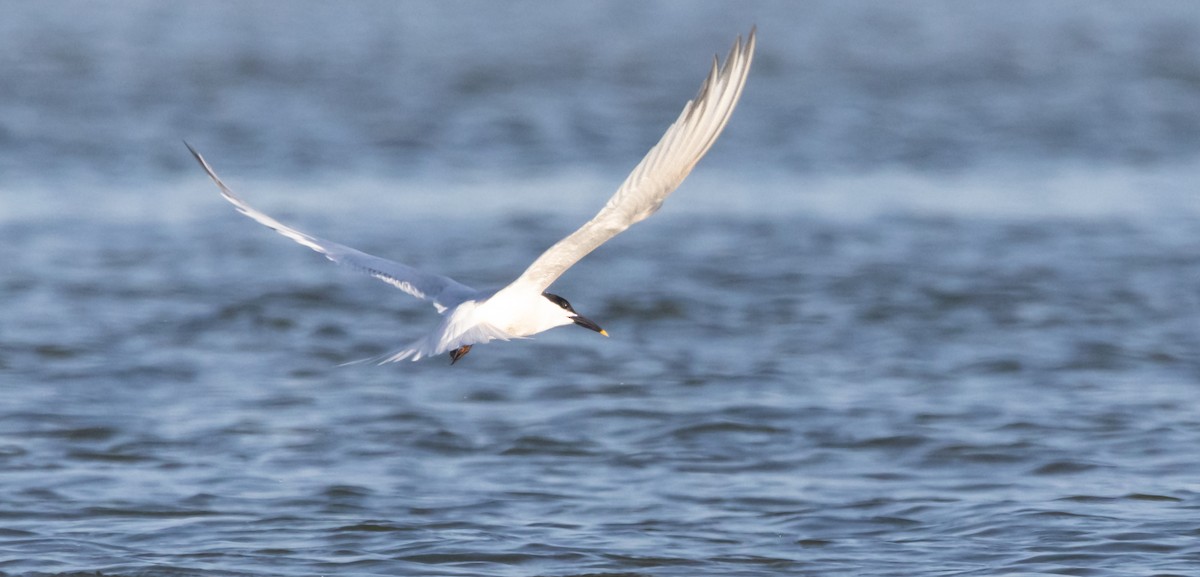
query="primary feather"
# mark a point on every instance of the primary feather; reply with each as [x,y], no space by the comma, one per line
[442,292]
[660,172]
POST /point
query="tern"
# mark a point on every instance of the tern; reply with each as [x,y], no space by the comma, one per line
[524,308]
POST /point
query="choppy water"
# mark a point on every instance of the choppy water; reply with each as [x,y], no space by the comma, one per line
[871,336]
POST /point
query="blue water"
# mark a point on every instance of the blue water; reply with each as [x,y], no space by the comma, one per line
[931,306]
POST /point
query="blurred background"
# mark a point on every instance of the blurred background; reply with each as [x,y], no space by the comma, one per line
[930,305]
[449,92]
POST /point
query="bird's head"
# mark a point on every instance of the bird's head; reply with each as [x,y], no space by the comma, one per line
[573,316]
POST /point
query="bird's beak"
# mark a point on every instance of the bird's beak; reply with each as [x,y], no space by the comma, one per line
[588,324]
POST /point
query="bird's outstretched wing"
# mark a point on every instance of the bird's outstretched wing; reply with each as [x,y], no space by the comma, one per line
[442,291]
[660,172]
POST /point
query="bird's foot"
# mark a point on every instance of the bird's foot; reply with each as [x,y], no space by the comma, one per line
[459,353]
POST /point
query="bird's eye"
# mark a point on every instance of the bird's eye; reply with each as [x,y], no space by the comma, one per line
[562,302]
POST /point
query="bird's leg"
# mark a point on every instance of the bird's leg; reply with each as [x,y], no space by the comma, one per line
[459,353]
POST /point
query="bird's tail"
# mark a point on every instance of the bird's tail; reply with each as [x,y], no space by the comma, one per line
[436,343]
[415,351]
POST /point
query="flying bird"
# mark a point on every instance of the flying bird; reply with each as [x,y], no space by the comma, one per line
[524,308]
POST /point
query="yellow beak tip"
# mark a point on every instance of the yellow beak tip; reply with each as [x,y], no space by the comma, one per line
[604,332]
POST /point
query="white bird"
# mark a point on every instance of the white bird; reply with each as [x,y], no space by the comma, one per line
[524,308]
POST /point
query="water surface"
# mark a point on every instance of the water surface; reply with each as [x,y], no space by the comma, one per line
[931,306]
